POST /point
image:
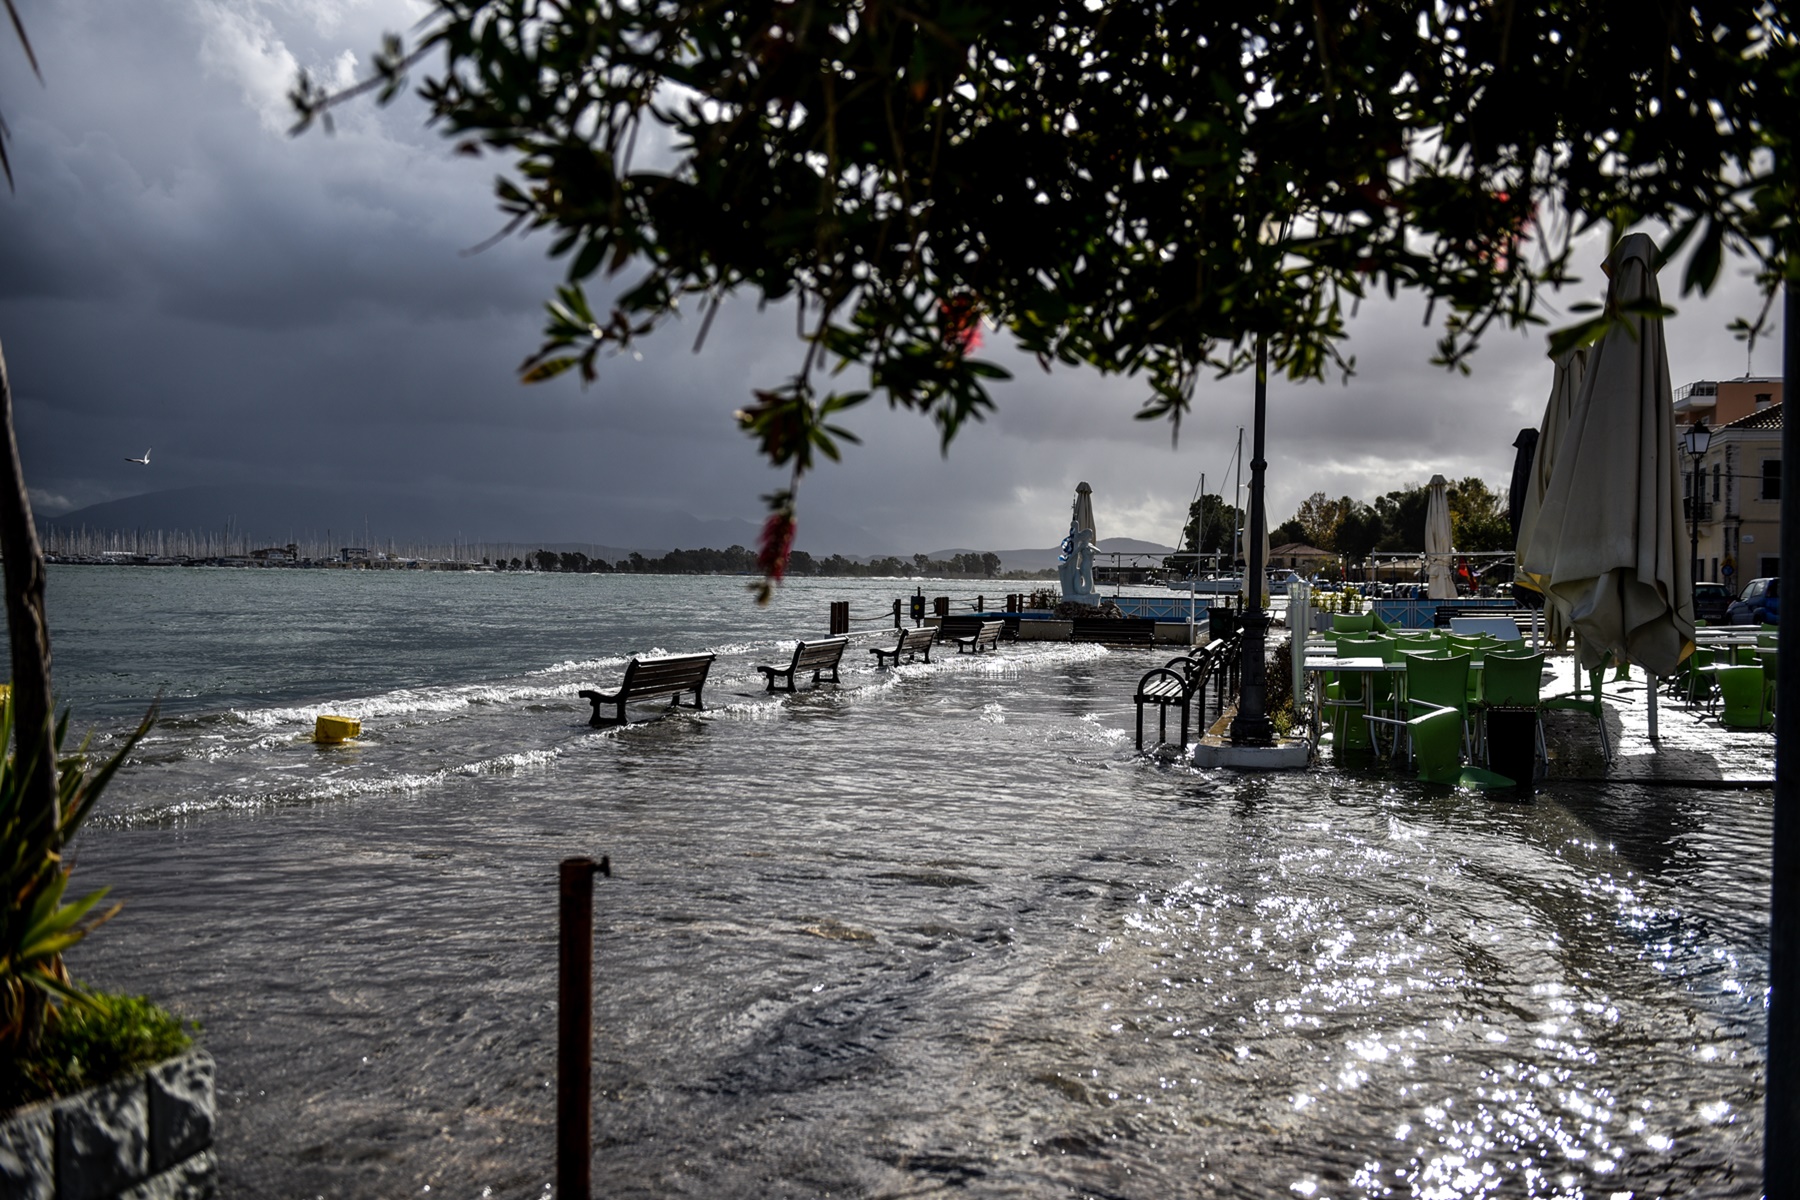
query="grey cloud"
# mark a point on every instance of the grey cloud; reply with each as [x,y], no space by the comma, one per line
[175,272]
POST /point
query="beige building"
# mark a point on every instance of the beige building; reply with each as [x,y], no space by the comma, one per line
[1737,513]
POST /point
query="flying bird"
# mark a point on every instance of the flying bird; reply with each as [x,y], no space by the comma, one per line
[142,462]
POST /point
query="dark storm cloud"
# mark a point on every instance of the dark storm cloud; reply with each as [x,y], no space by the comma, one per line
[177,272]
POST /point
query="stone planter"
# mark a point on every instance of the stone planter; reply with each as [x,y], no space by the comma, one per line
[147,1136]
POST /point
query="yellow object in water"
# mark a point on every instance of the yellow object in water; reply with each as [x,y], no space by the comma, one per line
[332,730]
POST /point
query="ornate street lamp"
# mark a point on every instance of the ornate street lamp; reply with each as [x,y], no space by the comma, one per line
[1697,438]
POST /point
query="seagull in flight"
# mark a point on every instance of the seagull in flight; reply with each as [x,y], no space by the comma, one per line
[142,462]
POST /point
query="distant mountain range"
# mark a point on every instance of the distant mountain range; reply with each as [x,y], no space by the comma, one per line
[1039,560]
[321,520]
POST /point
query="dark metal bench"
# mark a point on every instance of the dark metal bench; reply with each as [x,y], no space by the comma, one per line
[817,657]
[1178,681]
[1165,687]
[986,636]
[1118,631]
[912,643]
[668,675]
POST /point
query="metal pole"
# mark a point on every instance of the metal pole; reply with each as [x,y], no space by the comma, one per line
[1694,522]
[1251,726]
[575,1029]
[1781,1098]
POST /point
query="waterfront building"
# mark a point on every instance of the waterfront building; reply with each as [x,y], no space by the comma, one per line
[1737,511]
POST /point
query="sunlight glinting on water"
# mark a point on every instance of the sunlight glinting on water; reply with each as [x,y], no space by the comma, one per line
[937,927]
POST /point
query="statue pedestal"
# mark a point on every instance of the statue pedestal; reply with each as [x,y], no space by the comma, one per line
[1090,598]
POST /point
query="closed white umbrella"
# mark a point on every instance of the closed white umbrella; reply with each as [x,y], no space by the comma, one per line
[1608,540]
[1438,585]
[1534,563]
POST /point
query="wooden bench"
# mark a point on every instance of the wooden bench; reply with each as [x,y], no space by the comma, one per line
[1118,631]
[668,675]
[817,657]
[952,629]
[986,636]
[912,643]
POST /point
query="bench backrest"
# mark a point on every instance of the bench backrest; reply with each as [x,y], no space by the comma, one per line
[668,673]
[990,630]
[824,653]
[950,628]
[916,639]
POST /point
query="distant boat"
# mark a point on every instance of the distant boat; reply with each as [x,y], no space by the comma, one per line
[1217,585]
[142,462]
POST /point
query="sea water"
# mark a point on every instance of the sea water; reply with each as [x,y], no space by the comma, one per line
[934,929]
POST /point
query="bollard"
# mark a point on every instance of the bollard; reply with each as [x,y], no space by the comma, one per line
[940,607]
[897,624]
[840,617]
[981,604]
[575,1029]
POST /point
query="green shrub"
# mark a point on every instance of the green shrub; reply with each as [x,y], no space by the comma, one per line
[87,1044]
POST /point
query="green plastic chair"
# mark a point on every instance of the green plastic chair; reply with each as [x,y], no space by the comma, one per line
[1515,681]
[1433,683]
[1344,696]
[1694,680]
[1770,661]
[1741,694]
[1588,702]
[1436,739]
[1363,622]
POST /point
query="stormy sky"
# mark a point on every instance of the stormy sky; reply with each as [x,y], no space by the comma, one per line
[178,273]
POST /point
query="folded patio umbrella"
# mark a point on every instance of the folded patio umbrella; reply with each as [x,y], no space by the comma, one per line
[1438,585]
[1565,389]
[1606,547]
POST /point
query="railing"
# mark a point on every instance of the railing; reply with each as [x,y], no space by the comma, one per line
[1690,511]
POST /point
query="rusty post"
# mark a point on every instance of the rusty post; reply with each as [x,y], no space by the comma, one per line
[575,1029]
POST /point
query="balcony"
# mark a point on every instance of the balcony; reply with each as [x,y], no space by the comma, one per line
[1690,511]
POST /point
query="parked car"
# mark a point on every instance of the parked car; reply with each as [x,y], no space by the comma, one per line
[1711,600]
[1760,602]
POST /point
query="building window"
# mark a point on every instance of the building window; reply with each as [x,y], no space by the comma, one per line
[1771,479]
[1715,481]
[1715,570]
[1764,399]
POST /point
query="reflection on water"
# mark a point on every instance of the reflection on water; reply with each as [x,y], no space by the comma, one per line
[938,928]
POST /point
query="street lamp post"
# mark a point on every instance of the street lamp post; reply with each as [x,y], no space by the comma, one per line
[1697,438]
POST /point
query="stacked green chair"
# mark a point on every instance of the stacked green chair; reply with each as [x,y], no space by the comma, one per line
[1344,698]
[1515,681]
[1741,695]
[1771,665]
[1361,623]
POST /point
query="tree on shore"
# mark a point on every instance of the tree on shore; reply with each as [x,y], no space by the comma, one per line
[1151,189]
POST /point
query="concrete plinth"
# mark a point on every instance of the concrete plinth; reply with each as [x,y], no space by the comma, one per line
[1287,754]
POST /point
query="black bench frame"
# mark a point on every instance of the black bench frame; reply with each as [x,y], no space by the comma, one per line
[666,675]
[912,643]
[817,657]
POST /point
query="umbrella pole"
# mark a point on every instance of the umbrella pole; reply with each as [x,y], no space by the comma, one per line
[1781,1098]
[1651,682]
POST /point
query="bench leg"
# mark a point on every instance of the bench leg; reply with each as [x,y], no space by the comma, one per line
[1140,725]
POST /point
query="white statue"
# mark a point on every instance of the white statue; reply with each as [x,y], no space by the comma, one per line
[1076,568]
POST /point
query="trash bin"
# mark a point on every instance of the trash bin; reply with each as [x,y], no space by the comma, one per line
[1512,744]
[1221,623]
